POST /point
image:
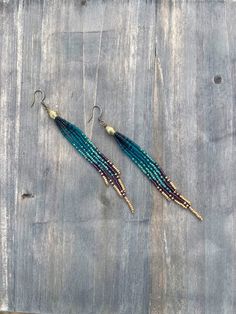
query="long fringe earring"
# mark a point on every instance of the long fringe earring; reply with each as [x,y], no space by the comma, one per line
[85,147]
[148,166]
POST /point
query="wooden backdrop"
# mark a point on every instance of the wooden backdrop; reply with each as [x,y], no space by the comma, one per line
[165,74]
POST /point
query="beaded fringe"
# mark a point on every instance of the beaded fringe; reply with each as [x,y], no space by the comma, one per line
[153,171]
[85,147]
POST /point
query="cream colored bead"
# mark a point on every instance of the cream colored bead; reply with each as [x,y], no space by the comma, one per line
[110,130]
[52,114]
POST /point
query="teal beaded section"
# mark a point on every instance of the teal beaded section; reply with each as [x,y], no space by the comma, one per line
[145,168]
[145,162]
[153,171]
[84,146]
[92,151]
[146,159]
[78,148]
[142,152]
[85,149]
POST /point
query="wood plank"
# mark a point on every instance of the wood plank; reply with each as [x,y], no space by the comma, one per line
[164,73]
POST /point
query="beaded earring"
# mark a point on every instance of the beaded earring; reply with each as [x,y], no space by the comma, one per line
[86,148]
[148,166]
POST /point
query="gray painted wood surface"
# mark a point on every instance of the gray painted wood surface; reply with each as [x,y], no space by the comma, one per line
[67,243]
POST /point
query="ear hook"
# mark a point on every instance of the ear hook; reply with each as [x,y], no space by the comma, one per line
[52,114]
[43,98]
[99,117]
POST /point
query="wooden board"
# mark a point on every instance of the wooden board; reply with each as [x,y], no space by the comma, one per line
[165,74]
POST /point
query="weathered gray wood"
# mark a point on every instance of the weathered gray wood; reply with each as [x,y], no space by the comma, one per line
[67,243]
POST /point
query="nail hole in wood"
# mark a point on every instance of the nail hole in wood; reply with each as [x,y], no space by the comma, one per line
[27,195]
[217,79]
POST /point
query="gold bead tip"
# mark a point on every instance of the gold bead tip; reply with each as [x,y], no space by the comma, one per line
[105,180]
[110,130]
[195,213]
[129,204]
[52,114]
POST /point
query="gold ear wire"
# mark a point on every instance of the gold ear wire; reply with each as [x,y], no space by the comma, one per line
[43,98]
[99,117]
[52,114]
[109,129]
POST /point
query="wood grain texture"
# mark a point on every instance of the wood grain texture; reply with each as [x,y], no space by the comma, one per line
[67,243]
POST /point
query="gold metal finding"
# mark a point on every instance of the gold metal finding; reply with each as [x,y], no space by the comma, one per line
[110,130]
[52,114]
[166,196]
[184,206]
[195,213]
[172,184]
[99,117]
[185,199]
[117,190]
[129,204]
[105,180]
[114,167]
[121,184]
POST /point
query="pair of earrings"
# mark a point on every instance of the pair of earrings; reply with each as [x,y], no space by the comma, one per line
[108,171]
